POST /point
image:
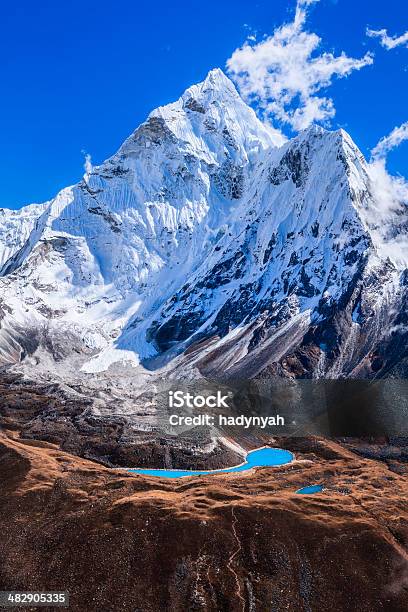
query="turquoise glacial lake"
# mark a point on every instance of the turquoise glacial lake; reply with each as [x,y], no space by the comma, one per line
[310,489]
[261,457]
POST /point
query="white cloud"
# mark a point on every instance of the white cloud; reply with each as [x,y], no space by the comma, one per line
[388,213]
[390,189]
[393,140]
[87,164]
[389,216]
[389,42]
[283,75]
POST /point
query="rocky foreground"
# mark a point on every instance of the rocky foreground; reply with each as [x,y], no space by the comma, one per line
[229,542]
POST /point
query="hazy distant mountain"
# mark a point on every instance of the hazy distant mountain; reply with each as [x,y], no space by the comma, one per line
[202,247]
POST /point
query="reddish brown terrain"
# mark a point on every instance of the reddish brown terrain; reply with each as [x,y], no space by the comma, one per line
[243,542]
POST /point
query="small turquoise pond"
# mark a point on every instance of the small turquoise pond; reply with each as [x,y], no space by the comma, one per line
[256,458]
[310,489]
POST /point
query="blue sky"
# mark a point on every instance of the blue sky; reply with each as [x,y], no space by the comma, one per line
[80,76]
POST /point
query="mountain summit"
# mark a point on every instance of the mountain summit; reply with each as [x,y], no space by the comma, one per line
[203,246]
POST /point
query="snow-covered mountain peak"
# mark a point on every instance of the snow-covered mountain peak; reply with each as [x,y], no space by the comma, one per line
[199,227]
[216,86]
[209,118]
[15,228]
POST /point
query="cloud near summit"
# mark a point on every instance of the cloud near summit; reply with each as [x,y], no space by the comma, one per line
[284,73]
[388,143]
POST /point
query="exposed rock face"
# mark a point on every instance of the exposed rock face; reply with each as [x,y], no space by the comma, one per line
[283,259]
[216,543]
[115,438]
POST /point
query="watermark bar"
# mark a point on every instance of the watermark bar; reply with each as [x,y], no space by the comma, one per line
[297,408]
[17,599]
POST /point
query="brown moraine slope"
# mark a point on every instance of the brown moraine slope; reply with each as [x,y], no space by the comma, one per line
[244,542]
